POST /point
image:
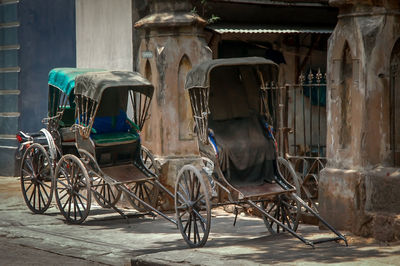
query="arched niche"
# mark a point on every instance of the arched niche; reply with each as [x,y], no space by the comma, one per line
[147,130]
[394,98]
[345,88]
[184,107]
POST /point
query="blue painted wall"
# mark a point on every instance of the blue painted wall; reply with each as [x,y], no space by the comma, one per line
[35,36]
[47,40]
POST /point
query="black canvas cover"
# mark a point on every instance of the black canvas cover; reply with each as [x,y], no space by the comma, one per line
[246,153]
[93,84]
[199,76]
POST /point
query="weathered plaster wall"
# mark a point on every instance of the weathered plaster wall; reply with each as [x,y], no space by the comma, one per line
[171,43]
[163,133]
[104,34]
[357,188]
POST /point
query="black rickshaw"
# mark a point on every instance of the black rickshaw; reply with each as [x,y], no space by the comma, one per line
[230,105]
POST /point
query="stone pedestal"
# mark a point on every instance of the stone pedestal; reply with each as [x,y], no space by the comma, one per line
[358,187]
[171,43]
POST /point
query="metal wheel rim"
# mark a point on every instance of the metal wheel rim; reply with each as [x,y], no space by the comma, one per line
[287,172]
[148,161]
[191,205]
[36,178]
[72,189]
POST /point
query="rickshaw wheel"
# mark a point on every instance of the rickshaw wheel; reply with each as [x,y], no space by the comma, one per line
[192,206]
[37,181]
[148,161]
[109,194]
[146,191]
[287,172]
[72,189]
[283,209]
[104,194]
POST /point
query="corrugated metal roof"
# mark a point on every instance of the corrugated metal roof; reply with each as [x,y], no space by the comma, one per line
[260,29]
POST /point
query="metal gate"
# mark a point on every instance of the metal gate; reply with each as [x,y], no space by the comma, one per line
[299,112]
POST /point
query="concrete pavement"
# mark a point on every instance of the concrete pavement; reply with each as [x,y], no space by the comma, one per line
[106,238]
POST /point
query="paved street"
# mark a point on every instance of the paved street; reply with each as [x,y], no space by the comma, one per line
[105,238]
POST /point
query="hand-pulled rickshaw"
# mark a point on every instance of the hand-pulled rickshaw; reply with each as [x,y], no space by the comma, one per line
[39,152]
[230,105]
[91,146]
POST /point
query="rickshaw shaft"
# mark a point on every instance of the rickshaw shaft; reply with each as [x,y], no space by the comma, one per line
[124,189]
[280,224]
[340,236]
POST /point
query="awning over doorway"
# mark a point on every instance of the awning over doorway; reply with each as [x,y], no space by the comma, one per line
[262,29]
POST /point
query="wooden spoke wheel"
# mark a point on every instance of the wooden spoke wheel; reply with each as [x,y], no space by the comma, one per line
[148,161]
[145,191]
[310,182]
[72,189]
[285,210]
[37,178]
[104,194]
[192,206]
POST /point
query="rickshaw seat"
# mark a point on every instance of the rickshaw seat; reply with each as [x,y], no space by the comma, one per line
[114,138]
[246,153]
[112,131]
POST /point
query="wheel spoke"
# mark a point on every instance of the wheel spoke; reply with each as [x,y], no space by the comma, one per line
[186,184]
[199,199]
[33,195]
[183,189]
[80,195]
[26,190]
[140,192]
[200,216]
[62,183]
[63,196]
[69,205]
[183,213]
[77,206]
[197,190]
[145,159]
[41,197]
[43,168]
[180,196]
[192,181]
[187,223]
[190,224]
[195,229]
[111,193]
[30,165]
[67,201]
[30,174]
[43,184]
[147,192]
[83,205]
[74,207]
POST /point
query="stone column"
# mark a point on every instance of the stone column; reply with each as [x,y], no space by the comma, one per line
[359,188]
[171,43]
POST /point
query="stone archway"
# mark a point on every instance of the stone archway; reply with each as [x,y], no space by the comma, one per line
[148,132]
[184,108]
